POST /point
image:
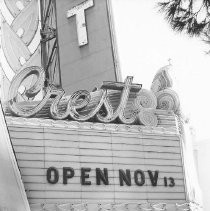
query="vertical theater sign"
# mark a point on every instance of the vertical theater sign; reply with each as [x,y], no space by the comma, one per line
[77,147]
[81,32]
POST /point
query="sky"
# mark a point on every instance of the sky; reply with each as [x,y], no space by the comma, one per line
[146,43]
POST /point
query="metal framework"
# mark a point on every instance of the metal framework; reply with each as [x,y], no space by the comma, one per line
[49,43]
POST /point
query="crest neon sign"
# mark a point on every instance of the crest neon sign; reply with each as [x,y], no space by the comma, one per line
[120,102]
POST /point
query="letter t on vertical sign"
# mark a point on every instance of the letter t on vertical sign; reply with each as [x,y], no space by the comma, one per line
[79,12]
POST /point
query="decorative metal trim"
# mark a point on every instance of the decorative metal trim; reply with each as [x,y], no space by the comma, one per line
[138,129]
[147,206]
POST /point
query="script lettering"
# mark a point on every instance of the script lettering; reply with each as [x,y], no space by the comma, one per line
[126,87]
[30,93]
[80,106]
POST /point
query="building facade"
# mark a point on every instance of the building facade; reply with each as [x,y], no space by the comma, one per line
[76,137]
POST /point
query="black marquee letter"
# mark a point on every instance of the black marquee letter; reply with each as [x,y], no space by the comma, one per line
[153,178]
[102,176]
[165,181]
[172,182]
[49,175]
[84,176]
[141,173]
[68,172]
[126,177]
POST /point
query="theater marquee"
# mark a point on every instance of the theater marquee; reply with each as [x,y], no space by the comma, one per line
[117,144]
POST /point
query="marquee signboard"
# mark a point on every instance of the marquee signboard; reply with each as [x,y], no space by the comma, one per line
[93,163]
